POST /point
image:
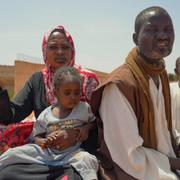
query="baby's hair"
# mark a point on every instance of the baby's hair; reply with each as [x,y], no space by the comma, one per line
[142,16]
[66,73]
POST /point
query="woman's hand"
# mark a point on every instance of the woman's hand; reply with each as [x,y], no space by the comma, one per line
[63,139]
[56,138]
[83,133]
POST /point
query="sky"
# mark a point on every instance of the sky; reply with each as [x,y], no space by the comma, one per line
[101,29]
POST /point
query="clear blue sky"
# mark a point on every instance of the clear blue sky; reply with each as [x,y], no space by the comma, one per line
[101,29]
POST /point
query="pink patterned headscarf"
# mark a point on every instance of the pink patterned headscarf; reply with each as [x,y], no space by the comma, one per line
[69,39]
[90,80]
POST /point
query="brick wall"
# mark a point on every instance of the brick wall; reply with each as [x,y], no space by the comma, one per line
[23,70]
[7,77]
[13,78]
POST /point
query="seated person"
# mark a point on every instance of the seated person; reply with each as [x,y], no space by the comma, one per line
[68,114]
[134,105]
[58,50]
[37,94]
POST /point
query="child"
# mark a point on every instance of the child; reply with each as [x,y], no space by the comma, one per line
[67,116]
[136,106]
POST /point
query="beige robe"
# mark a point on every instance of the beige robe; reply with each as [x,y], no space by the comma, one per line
[124,142]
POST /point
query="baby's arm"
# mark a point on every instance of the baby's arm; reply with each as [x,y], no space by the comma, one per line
[63,139]
[53,137]
[48,141]
[40,139]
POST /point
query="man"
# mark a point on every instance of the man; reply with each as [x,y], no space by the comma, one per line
[135,109]
[175,96]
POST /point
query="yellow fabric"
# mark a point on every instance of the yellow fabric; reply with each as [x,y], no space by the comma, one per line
[141,71]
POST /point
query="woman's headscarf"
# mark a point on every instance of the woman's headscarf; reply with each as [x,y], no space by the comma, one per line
[90,80]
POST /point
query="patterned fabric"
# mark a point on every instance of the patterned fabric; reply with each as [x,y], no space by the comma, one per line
[90,80]
[14,135]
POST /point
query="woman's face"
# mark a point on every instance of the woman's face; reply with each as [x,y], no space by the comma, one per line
[58,51]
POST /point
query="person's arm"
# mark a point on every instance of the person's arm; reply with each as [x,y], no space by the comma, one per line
[124,142]
[59,139]
[39,129]
[5,110]
[20,107]
[40,140]
[89,123]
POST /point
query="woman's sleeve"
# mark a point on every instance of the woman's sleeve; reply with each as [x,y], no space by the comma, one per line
[124,142]
[5,110]
[20,107]
[40,123]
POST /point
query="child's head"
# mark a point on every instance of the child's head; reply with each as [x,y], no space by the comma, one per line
[154,33]
[177,68]
[67,86]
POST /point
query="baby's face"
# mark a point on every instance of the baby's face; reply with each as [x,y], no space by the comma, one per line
[69,94]
[156,36]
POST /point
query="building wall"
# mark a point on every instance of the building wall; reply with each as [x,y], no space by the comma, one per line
[23,70]
[13,78]
[7,77]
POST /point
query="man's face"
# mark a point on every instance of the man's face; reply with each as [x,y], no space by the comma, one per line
[156,36]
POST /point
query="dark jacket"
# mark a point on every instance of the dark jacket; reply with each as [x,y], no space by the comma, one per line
[31,98]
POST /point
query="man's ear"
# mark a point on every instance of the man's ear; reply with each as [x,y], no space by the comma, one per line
[135,38]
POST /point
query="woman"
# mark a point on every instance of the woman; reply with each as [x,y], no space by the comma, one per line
[58,50]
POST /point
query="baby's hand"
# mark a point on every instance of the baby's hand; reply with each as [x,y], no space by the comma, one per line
[52,138]
[40,141]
